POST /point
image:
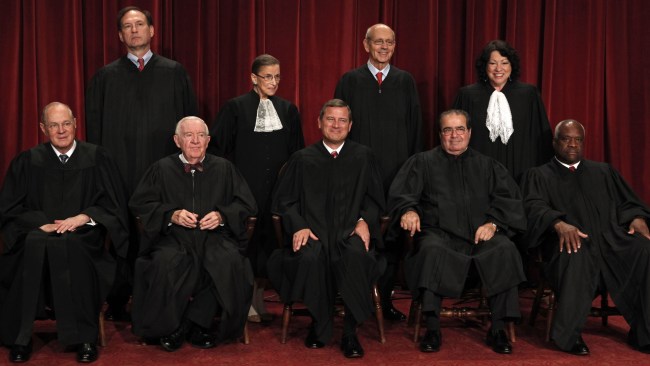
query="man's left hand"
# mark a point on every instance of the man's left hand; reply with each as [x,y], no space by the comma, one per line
[362,231]
[638,225]
[485,232]
[71,223]
[210,221]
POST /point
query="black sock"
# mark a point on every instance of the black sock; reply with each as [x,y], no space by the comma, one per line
[432,320]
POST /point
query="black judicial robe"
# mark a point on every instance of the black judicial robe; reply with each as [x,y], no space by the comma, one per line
[39,189]
[453,197]
[133,114]
[258,156]
[328,196]
[530,143]
[596,200]
[173,257]
[387,119]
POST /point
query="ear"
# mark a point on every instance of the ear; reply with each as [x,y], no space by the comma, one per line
[253,79]
[151,31]
[366,45]
[119,33]
[177,141]
[43,128]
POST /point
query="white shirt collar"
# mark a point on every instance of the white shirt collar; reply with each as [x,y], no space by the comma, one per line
[568,165]
[182,157]
[147,56]
[69,152]
[330,150]
[375,70]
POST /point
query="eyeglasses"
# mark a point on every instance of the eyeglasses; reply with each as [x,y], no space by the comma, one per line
[381,42]
[460,130]
[55,126]
[268,77]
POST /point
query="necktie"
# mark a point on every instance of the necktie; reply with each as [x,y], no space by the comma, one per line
[334,154]
[380,76]
[572,168]
[64,158]
[189,167]
[140,64]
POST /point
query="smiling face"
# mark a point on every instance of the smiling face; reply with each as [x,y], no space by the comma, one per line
[59,125]
[568,142]
[266,88]
[380,45]
[192,137]
[498,70]
[335,126]
[135,32]
[454,134]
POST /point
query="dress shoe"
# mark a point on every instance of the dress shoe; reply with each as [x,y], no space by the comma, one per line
[499,342]
[20,353]
[200,337]
[579,348]
[351,347]
[390,313]
[312,339]
[634,343]
[431,341]
[175,340]
[87,353]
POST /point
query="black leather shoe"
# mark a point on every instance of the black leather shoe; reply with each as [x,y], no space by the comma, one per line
[87,353]
[312,339]
[634,343]
[351,347]
[202,338]
[175,340]
[390,313]
[499,341]
[579,348]
[20,353]
[431,341]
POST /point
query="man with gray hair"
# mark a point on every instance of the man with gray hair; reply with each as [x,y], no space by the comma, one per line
[191,266]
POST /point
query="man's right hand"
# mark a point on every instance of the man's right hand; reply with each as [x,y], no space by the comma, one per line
[410,222]
[185,218]
[301,237]
[570,237]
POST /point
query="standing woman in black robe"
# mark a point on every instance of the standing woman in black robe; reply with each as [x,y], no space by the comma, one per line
[509,119]
[258,131]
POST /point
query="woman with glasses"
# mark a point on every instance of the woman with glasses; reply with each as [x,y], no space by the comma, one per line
[509,119]
[258,131]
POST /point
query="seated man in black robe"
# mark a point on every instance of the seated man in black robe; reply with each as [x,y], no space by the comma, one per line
[461,207]
[59,201]
[193,208]
[593,235]
[330,198]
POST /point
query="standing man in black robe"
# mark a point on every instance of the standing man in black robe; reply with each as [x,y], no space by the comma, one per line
[59,201]
[593,233]
[258,131]
[193,208]
[461,207]
[330,199]
[387,118]
[132,106]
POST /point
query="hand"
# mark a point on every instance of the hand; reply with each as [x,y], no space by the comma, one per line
[638,225]
[185,218]
[570,236]
[301,237]
[485,232]
[69,224]
[210,221]
[361,229]
[410,221]
[49,228]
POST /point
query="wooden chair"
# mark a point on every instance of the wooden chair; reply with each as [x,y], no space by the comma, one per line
[544,290]
[288,310]
[460,309]
[250,227]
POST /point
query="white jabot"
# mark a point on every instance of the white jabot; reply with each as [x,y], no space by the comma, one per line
[499,117]
[267,118]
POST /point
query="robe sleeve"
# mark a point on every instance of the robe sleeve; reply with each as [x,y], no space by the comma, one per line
[373,204]
[404,193]
[223,132]
[94,108]
[286,198]
[185,92]
[296,138]
[538,208]
[240,206]
[628,205]
[506,209]
[414,118]
[541,134]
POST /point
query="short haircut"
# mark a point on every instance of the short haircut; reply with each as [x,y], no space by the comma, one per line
[372,28]
[455,112]
[50,106]
[565,122]
[122,12]
[263,60]
[504,50]
[338,103]
[177,131]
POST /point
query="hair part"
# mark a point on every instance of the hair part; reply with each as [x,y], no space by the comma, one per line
[177,131]
[336,103]
[504,50]
[52,105]
[455,112]
[123,12]
[263,60]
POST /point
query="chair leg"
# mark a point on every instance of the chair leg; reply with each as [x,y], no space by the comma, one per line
[549,315]
[511,332]
[412,310]
[379,313]
[246,338]
[536,303]
[286,316]
[102,331]
[418,319]
[604,307]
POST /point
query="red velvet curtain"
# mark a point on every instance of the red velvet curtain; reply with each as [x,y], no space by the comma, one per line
[588,57]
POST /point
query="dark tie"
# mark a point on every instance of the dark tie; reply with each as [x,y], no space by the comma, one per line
[140,64]
[334,154]
[379,77]
[572,168]
[64,158]
[189,167]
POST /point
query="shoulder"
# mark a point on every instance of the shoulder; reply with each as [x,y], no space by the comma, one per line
[472,89]
[355,74]
[403,74]
[116,66]
[166,63]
